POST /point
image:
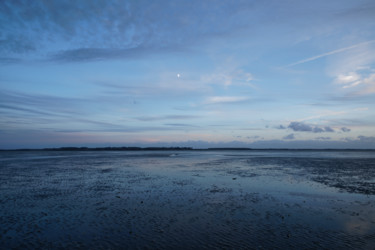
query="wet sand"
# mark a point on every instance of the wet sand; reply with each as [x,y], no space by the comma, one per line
[187,200]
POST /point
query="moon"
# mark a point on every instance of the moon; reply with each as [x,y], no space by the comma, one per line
[178,75]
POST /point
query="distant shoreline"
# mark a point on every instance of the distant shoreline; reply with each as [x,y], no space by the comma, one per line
[178,149]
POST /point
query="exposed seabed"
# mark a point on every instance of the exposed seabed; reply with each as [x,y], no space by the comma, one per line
[187,200]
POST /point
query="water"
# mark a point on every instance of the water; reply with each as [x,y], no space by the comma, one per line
[187,199]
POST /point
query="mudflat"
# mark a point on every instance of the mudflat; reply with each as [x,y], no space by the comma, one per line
[187,199]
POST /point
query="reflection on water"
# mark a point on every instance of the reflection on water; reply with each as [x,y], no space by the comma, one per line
[187,199]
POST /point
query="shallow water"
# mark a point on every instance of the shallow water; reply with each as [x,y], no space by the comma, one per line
[187,199]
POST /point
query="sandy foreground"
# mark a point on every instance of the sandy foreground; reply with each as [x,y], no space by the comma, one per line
[187,200]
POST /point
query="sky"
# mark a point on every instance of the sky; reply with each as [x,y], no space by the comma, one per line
[261,74]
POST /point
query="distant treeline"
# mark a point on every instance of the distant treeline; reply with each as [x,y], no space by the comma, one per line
[229,149]
[174,148]
[105,149]
[116,148]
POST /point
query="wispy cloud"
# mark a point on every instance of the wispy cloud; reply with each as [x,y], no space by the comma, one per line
[324,138]
[355,122]
[180,125]
[230,77]
[357,83]
[40,109]
[93,30]
[330,53]
[167,117]
[98,54]
[330,113]
[126,129]
[9,60]
[91,54]
[368,85]
[345,79]
[225,99]
[41,104]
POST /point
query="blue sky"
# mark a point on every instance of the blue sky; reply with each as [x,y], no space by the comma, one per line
[187,73]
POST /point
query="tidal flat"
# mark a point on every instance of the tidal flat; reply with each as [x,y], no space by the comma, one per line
[193,199]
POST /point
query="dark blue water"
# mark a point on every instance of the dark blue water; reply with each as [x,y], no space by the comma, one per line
[187,199]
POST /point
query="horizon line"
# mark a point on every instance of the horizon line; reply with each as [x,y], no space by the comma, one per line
[124,148]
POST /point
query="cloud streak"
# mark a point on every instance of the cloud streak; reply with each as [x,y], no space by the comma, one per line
[230,77]
[225,99]
[313,58]
[167,117]
[97,54]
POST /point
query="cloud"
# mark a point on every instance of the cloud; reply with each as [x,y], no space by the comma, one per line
[167,117]
[317,130]
[225,99]
[368,86]
[328,129]
[303,127]
[359,83]
[253,137]
[20,109]
[165,87]
[289,137]
[345,129]
[13,109]
[89,54]
[367,139]
[115,128]
[95,30]
[41,104]
[281,127]
[229,77]
[353,71]
[179,125]
[300,126]
[9,60]
[348,78]
[19,45]
[96,54]
[323,138]
[319,143]
[331,53]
